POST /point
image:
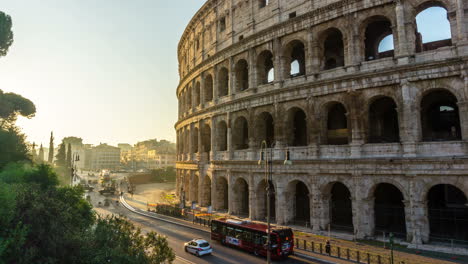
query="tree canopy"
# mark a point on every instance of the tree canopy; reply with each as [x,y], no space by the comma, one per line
[6,35]
[11,106]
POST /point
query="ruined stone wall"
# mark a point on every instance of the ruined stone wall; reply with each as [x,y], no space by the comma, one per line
[344,113]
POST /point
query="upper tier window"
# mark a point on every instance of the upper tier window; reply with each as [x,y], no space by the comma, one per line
[222,24]
[263,3]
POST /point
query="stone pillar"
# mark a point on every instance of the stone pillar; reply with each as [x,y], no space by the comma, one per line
[232,77]
[309,55]
[279,126]
[231,204]
[229,132]
[315,56]
[417,221]
[461,21]
[191,195]
[409,117]
[363,217]
[252,69]
[356,125]
[402,49]
[281,204]
[317,208]
[190,142]
[277,60]
[213,138]
[200,141]
[215,84]
[252,198]
[202,90]
[214,193]
[354,45]
[463,113]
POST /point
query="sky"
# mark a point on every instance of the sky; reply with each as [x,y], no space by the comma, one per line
[104,70]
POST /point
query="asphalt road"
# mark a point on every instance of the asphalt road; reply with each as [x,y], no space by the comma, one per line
[177,235]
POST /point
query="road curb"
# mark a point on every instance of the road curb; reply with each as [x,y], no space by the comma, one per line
[305,256]
[131,209]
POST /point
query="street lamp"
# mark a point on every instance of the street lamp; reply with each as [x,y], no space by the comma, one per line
[266,155]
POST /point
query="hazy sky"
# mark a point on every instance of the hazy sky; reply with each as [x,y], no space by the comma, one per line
[103,70]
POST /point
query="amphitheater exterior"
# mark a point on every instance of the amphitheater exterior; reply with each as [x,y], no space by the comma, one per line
[378,139]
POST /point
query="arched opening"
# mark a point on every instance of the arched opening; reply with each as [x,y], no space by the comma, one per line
[197,94]
[383,121]
[187,140]
[265,68]
[341,211]
[241,134]
[432,27]
[265,129]
[242,75]
[241,197]
[194,196]
[223,82]
[262,201]
[221,136]
[185,192]
[337,125]
[189,98]
[206,192]
[377,29]
[295,59]
[299,203]
[195,140]
[222,193]
[208,88]
[333,49]
[389,210]
[206,138]
[448,213]
[297,135]
[440,120]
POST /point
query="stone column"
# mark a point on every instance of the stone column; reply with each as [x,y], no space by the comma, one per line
[252,69]
[317,209]
[363,217]
[215,84]
[190,142]
[214,193]
[401,50]
[200,141]
[315,56]
[463,113]
[232,77]
[417,221]
[202,90]
[191,194]
[409,117]
[281,204]
[213,138]
[231,205]
[309,55]
[356,124]
[252,198]
[278,60]
[461,21]
[355,55]
[279,126]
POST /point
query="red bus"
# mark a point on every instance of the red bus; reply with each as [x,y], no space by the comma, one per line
[252,237]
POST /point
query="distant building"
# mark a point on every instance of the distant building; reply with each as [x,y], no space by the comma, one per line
[104,157]
[153,154]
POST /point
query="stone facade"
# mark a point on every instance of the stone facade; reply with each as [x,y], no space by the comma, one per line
[377,139]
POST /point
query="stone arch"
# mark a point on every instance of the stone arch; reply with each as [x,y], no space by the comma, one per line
[332,49]
[197,94]
[242,75]
[223,82]
[383,121]
[205,198]
[298,205]
[261,200]
[448,212]
[240,135]
[440,118]
[222,193]
[265,67]
[208,88]
[297,127]
[337,124]
[194,188]
[340,208]
[375,29]
[265,129]
[206,138]
[240,197]
[294,59]
[389,209]
[195,146]
[221,135]
[419,20]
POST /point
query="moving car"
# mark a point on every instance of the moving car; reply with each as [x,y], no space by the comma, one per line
[199,247]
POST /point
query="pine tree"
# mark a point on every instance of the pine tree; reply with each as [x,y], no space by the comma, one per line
[51,148]
[60,158]
[69,156]
[40,158]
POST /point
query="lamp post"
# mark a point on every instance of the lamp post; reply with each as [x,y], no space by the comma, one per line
[266,155]
[75,158]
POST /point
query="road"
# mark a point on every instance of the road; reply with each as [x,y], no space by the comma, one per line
[177,235]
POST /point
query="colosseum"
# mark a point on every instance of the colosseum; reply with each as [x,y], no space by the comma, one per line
[377,139]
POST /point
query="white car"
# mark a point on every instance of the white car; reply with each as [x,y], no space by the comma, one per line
[198,247]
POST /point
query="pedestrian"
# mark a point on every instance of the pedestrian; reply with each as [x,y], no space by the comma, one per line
[328,247]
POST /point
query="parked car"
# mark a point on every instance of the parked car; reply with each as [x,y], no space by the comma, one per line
[199,247]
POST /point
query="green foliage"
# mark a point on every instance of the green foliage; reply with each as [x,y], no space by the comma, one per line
[73,140]
[167,174]
[118,241]
[69,155]
[50,158]
[13,147]
[60,158]
[11,106]
[6,35]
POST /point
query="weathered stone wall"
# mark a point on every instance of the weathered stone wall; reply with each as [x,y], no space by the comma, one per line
[331,116]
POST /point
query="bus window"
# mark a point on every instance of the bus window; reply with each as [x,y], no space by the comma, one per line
[238,233]
[215,228]
[231,232]
[247,236]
